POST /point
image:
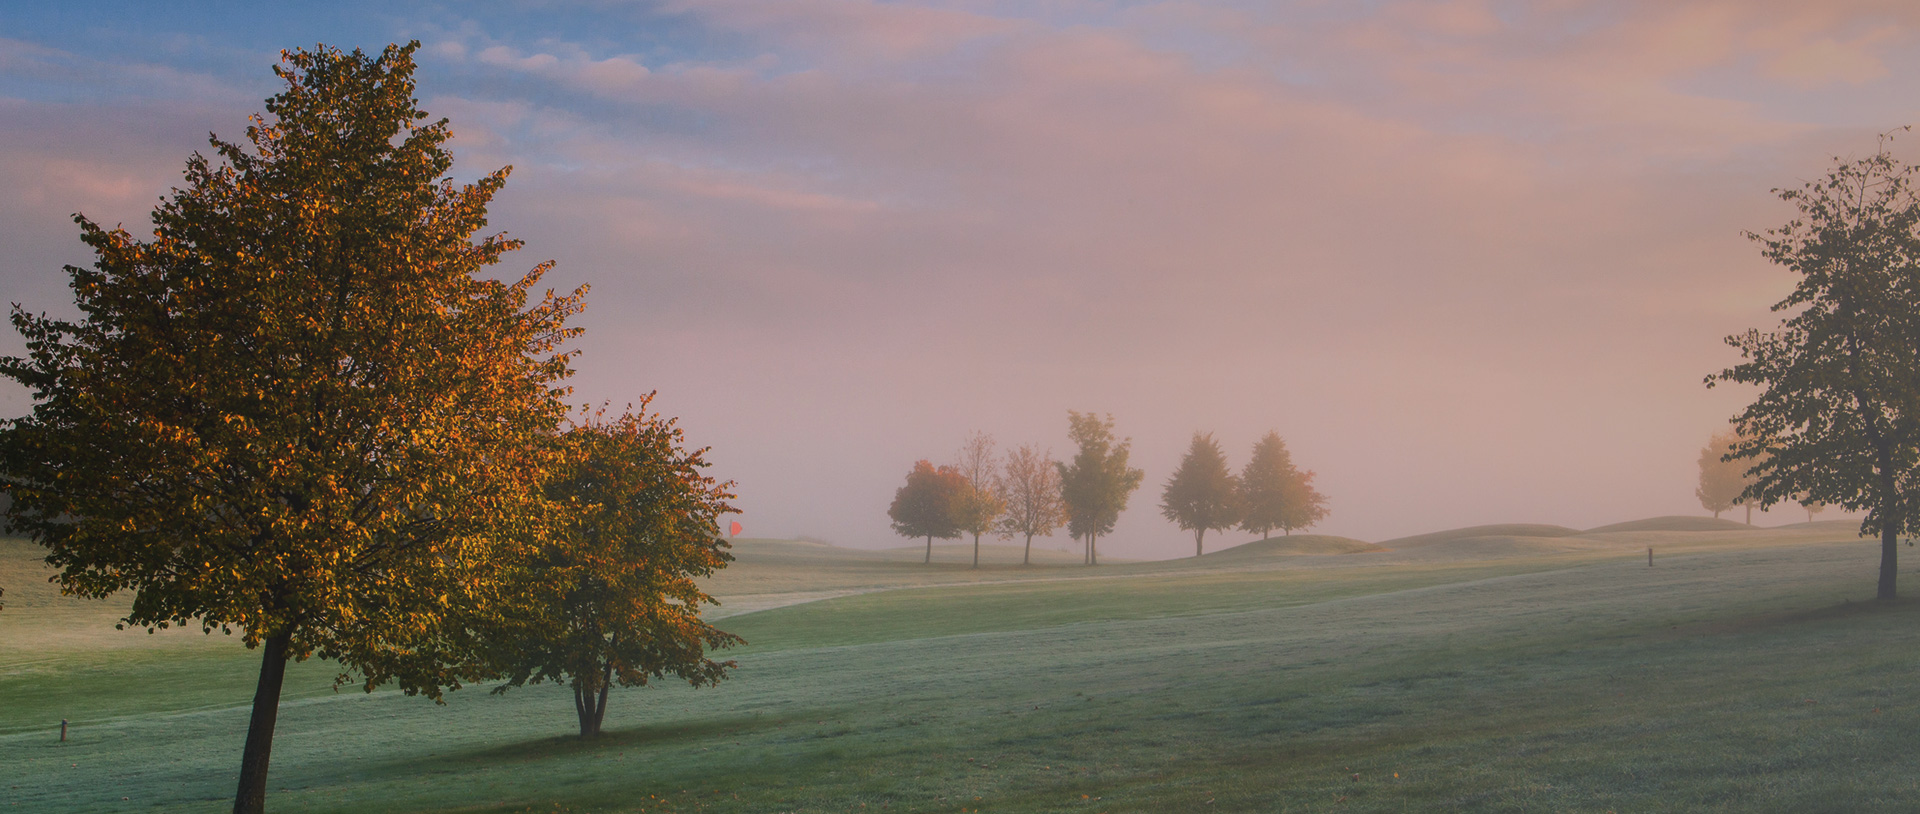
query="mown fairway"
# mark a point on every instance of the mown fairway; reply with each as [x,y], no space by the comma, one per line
[1502,669]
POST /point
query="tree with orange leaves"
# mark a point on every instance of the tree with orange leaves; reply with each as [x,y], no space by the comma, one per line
[927,505]
[304,411]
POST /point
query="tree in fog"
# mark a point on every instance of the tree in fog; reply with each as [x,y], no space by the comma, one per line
[925,506]
[1030,483]
[1276,495]
[1202,494]
[1721,480]
[1838,417]
[1813,507]
[1096,484]
[979,505]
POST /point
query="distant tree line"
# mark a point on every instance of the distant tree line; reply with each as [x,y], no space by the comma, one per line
[1024,494]
[1271,493]
[1027,494]
[1725,479]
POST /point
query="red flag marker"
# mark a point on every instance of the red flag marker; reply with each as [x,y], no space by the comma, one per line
[736,529]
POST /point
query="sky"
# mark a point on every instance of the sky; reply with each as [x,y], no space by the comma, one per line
[1472,260]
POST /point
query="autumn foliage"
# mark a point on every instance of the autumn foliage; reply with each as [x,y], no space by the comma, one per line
[302,411]
[929,504]
[608,595]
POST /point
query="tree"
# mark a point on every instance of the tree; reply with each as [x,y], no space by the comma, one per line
[1813,507]
[1722,480]
[1096,485]
[925,506]
[1202,494]
[1276,495]
[1031,484]
[609,596]
[980,504]
[1305,505]
[1838,418]
[299,411]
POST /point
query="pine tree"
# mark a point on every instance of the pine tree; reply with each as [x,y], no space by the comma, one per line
[1202,494]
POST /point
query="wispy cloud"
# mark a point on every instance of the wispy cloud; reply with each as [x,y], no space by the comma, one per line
[1470,257]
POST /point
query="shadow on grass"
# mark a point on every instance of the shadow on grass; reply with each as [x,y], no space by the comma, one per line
[1847,610]
[564,746]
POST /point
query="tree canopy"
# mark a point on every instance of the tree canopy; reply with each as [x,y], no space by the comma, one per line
[924,507]
[1096,485]
[299,411]
[1202,494]
[1722,480]
[1276,495]
[609,597]
[1837,420]
[979,506]
[1031,482]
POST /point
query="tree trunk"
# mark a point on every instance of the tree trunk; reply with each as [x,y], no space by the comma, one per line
[1197,534]
[929,559]
[1028,559]
[1749,513]
[1093,549]
[976,551]
[592,705]
[252,795]
[1889,559]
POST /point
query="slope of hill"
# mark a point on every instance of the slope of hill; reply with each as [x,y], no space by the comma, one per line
[1673,523]
[1294,546]
[1499,530]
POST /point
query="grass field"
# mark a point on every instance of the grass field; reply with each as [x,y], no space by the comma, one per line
[1511,668]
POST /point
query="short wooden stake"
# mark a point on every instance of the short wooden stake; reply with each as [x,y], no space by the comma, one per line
[63,730]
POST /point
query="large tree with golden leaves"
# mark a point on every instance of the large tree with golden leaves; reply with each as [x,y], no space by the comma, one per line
[300,411]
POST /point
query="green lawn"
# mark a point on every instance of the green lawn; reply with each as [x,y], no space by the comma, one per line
[1743,672]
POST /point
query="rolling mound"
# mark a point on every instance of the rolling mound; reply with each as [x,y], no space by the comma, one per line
[1673,523]
[1825,525]
[1295,546]
[1503,531]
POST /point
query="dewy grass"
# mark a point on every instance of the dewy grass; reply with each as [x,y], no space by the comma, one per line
[1735,675]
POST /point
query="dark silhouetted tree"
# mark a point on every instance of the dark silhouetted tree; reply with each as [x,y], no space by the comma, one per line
[304,410]
[1838,417]
[925,506]
[1031,485]
[1202,494]
[608,594]
[1096,485]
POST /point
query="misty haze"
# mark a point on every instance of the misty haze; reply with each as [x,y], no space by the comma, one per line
[847,405]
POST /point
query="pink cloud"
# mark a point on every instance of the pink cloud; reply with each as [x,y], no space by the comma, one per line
[855,29]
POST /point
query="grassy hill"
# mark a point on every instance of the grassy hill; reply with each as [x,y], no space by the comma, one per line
[1296,545]
[1740,673]
[1675,523]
